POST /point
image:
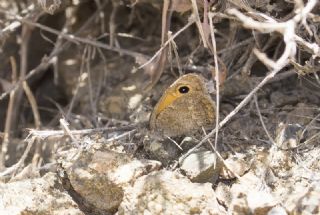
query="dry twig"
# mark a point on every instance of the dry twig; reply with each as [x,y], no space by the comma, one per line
[58,133]
[8,122]
[217,78]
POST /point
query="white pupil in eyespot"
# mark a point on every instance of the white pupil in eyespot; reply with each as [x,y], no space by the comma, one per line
[184,89]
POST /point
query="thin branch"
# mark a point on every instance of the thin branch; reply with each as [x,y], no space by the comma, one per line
[37,120]
[198,22]
[33,104]
[128,133]
[8,122]
[65,126]
[217,77]
[261,120]
[57,133]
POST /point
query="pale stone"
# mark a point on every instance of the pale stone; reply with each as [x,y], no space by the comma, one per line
[201,166]
[166,192]
[36,196]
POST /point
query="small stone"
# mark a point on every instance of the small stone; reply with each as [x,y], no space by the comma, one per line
[201,166]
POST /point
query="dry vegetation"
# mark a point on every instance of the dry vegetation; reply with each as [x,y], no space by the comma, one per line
[75,74]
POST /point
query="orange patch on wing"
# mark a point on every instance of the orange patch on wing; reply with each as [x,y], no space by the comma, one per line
[168,99]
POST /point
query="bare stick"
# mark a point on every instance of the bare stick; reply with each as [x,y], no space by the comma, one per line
[313,47]
[261,120]
[175,143]
[90,86]
[81,80]
[217,78]
[33,104]
[56,133]
[198,22]
[121,136]
[37,120]
[101,15]
[65,126]
[24,47]
[8,122]
[112,22]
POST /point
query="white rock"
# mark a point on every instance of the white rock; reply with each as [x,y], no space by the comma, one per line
[166,192]
[36,196]
[201,166]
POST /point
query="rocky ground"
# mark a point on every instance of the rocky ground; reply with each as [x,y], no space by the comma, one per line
[78,86]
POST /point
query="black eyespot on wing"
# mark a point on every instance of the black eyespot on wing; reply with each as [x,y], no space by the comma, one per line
[184,89]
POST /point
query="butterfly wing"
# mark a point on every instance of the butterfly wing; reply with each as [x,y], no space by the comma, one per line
[186,115]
